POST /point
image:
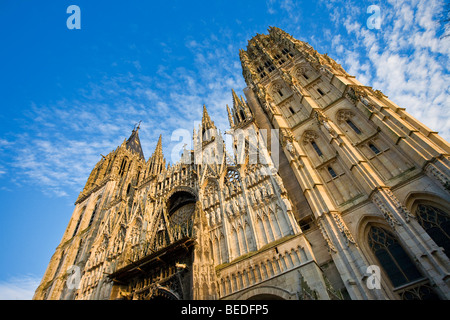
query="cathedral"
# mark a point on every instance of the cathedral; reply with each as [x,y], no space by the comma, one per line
[331,191]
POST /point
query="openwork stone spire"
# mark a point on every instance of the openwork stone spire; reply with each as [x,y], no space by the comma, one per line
[207,123]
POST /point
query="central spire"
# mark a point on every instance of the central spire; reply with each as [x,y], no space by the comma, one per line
[207,123]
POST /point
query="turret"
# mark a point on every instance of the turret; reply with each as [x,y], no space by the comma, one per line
[240,113]
[156,164]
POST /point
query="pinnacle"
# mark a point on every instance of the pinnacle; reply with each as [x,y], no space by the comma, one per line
[230,117]
[206,120]
[236,101]
[158,149]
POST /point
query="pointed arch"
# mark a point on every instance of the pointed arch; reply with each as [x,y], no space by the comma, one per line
[235,241]
[279,91]
[383,248]
[261,230]
[242,239]
[433,214]
[392,257]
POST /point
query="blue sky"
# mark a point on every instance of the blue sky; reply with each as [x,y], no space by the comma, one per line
[68,96]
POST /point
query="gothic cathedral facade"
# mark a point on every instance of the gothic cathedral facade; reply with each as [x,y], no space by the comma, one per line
[331,191]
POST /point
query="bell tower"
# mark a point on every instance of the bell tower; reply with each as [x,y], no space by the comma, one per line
[345,146]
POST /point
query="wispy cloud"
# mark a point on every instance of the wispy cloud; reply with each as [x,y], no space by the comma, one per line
[64,139]
[19,288]
[406,58]
[290,11]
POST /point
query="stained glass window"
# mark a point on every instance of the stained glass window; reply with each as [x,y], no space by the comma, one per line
[436,223]
[392,257]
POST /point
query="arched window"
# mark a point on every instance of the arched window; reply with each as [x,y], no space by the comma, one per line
[261,72]
[60,263]
[373,148]
[352,125]
[122,167]
[316,147]
[78,223]
[242,115]
[269,66]
[279,59]
[80,247]
[287,52]
[93,215]
[392,257]
[436,223]
[138,175]
[291,110]
[332,173]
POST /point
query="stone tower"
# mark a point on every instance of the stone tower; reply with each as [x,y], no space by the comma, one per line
[331,191]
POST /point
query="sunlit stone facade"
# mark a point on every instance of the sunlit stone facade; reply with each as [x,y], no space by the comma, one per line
[331,191]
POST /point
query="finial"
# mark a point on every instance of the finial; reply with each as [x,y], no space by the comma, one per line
[230,117]
[137,126]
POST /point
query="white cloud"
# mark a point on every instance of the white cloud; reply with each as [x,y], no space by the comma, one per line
[65,138]
[4,142]
[270,8]
[406,59]
[19,288]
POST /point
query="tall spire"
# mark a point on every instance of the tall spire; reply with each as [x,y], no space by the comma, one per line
[206,120]
[158,149]
[157,162]
[134,143]
[236,101]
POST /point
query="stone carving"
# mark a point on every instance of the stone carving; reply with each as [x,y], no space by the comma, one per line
[309,136]
[343,228]
[385,211]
